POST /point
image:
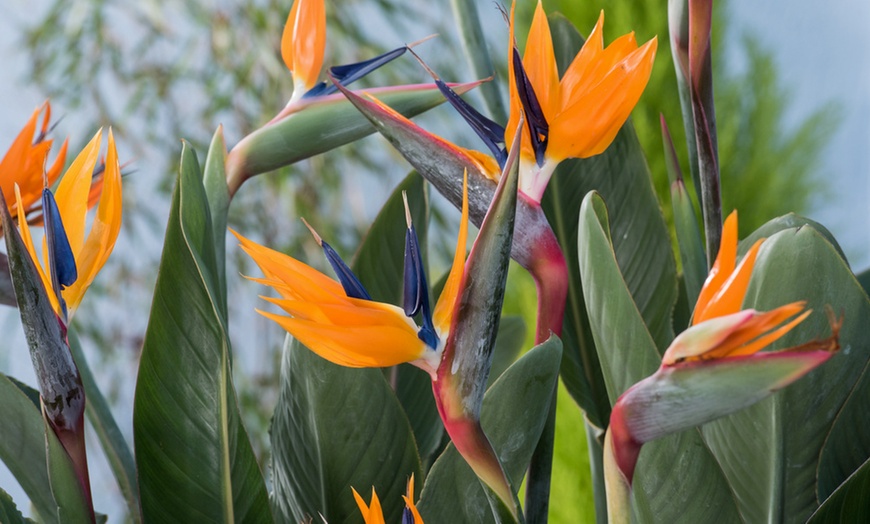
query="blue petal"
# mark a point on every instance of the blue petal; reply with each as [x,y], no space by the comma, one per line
[348,73]
[60,255]
[416,292]
[539,129]
[414,279]
[351,284]
[490,132]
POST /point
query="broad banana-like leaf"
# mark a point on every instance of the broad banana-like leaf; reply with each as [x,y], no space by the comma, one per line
[513,415]
[849,503]
[771,451]
[628,353]
[334,429]
[194,459]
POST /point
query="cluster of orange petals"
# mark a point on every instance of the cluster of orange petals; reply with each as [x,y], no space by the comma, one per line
[75,195]
[593,99]
[735,332]
[373,513]
[25,163]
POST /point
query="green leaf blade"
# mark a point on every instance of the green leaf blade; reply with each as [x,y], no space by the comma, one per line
[194,460]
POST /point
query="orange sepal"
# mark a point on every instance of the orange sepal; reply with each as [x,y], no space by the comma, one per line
[304,41]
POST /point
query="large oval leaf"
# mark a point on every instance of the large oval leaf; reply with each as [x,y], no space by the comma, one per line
[336,428]
[677,479]
[513,415]
[194,458]
[770,451]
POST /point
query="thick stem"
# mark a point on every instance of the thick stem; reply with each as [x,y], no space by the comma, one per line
[550,272]
[618,487]
[236,174]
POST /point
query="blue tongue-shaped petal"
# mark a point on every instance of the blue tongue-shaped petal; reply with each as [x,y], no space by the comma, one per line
[348,73]
[539,129]
[351,284]
[62,262]
[489,131]
[416,290]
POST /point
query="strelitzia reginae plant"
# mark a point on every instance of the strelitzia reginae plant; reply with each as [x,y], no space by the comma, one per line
[50,288]
[715,367]
[342,324]
[704,401]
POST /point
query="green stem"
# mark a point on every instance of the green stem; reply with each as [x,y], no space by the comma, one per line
[550,272]
[111,439]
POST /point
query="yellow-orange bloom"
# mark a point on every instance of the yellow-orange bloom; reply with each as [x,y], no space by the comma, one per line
[586,108]
[349,331]
[303,44]
[73,196]
[720,327]
[25,160]
[373,513]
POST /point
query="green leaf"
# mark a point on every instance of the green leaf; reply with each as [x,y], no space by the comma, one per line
[513,415]
[9,513]
[849,503]
[318,125]
[508,345]
[194,458]
[864,280]
[335,428]
[640,239]
[111,439]
[468,354]
[788,221]
[214,181]
[685,224]
[628,353]
[770,452]
[23,439]
[476,50]
[848,443]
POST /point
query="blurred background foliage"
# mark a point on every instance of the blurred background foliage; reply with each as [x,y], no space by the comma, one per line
[162,70]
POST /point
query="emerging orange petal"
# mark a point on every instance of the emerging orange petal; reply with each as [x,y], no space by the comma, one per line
[25,160]
[106,226]
[304,41]
[443,314]
[409,502]
[373,514]
[24,229]
[722,267]
[539,61]
[72,193]
[729,297]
